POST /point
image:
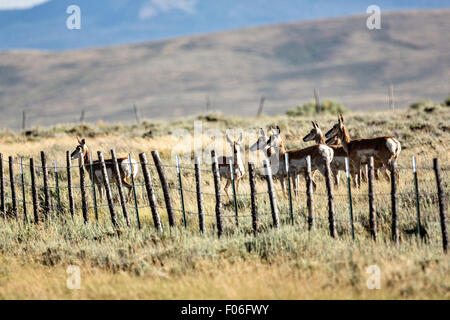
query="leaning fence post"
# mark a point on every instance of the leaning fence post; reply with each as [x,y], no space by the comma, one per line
[2,188]
[416,188]
[69,185]
[108,189]
[13,187]
[442,203]
[46,188]
[395,235]
[331,214]
[253,195]
[198,185]
[94,195]
[273,200]
[349,192]
[215,170]
[181,191]
[120,187]
[57,188]
[150,192]
[286,162]
[165,187]
[309,194]
[34,191]
[134,192]
[84,205]
[234,193]
[372,211]
[24,201]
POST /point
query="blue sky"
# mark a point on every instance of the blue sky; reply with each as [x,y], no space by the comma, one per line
[41,24]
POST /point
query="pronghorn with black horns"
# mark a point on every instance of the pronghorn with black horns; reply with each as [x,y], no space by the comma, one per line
[82,152]
[385,149]
[235,160]
[339,154]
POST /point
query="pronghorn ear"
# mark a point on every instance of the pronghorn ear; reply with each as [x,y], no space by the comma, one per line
[313,123]
[279,130]
[317,124]
[83,142]
[261,131]
[79,140]
[240,138]
[228,139]
[341,119]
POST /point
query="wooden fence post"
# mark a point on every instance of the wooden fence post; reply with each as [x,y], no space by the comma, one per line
[350,200]
[34,193]
[94,195]
[108,189]
[133,189]
[12,182]
[84,205]
[46,189]
[123,202]
[2,188]
[215,170]
[180,185]
[254,200]
[198,185]
[150,192]
[24,201]
[372,211]
[395,235]
[442,203]
[288,175]
[273,199]
[309,194]
[69,184]
[58,198]
[165,187]
[416,189]
[331,214]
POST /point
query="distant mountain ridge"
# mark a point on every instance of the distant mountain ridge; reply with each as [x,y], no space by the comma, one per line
[283,63]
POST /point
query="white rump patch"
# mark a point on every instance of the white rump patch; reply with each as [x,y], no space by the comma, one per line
[125,165]
[391,144]
[326,152]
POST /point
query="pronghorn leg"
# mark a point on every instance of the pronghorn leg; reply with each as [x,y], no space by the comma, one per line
[337,176]
[227,185]
[282,185]
[100,191]
[363,171]
[127,185]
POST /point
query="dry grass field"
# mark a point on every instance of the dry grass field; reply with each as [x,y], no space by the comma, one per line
[288,263]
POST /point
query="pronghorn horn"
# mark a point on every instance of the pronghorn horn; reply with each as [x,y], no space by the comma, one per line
[79,140]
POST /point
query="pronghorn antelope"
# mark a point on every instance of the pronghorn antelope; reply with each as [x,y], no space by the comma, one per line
[263,144]
[82,152]
[338,162]
[236,160]
[319,153]
[385,149]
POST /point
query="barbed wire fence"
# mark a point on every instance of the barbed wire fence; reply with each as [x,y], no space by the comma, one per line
[39,192]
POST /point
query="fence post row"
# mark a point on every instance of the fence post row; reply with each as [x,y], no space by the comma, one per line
[309,194]
[2,188]
[416,189]
[372,211]
[331,214]
[84,206]
[180,185]
[150,192]
[94,196]
[198,185]
[13,187]
[215,170]
[233,186]
[165,187]
[34,193]
[24,201]
[46,189]
[69,184]
[350,200]
[442,204]
[254,200]
[120,187]
[108,189]
[288,175]
[395,235]
[138,220]
[273,200]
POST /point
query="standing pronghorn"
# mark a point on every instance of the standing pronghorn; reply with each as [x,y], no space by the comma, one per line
[385,149]
[338,162]
[320,154]
[236,160]
[82,151]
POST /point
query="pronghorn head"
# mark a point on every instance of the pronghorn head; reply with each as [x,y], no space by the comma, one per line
[337,130]
[275,140]
[80,150]
[261,143]
[314,134]
[235,144]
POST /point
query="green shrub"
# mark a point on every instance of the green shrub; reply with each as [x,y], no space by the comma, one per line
[425,105]
[308,109]
[446,102]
